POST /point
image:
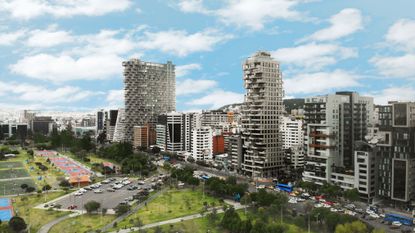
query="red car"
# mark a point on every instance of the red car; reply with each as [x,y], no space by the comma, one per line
[72,207]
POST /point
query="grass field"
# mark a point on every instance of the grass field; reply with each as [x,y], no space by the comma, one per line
[172,204]
[23,206]
[13,173]
[81,224]
[5,165]
[13,186]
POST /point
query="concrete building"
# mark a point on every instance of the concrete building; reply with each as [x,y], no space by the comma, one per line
[101,120]
[171,131]
[202,143]
[261,117]
[235,151]
[292,132]
[18,130]
[149,92]
[294,157]
[111,123]
[42,125]
[394,134]
[141,136]
[120,126]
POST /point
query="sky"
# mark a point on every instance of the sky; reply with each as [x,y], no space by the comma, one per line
[67,55]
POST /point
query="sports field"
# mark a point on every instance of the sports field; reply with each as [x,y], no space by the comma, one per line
[13,186]
[12,176]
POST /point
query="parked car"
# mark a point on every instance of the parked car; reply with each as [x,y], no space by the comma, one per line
[72,207]
[111,190]
[97,191]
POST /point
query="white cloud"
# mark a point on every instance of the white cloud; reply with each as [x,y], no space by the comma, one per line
[186,69]
[342,24]
[62,68]
[402,66]
[319,82]
[254,14]
[218,99]
[190,86]
[115,98]
[402,33]
[9,38]
[105,42]
[41,94]
[48,38]
[314,56]
[28,9]
[247,13]
[181,43]
[394,94]
[193,6]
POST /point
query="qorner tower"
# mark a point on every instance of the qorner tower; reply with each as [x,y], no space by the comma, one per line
[150,90]
[261,116]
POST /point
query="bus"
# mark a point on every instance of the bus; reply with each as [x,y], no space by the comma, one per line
[405,220]
[285,187]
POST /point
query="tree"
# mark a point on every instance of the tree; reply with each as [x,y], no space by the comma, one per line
[17,224]
[46,187]
[355,227]
[259,227]
[24,186]
[231,220]
[104,211]
[122,209]
[276,228]
[246,200]
[30,189]
[64,183]
[351,195]
[92,206]
[155,150]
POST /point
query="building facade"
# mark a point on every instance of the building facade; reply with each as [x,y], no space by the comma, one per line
[261,117]
[149,91]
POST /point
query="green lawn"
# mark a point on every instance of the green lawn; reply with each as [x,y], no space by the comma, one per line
[7,164]
[172,204]
[81,224]
[23,206]
[13,186]
[13,173]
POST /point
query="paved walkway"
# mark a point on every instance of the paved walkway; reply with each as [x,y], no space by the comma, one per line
[236,205]
[46,228]
[135,209]
[16,178]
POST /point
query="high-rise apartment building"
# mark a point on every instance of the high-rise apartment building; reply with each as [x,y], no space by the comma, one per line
[292,132]
[149,91]
[394,137]
[202,147]
[261,116]
[334,123]
[171,131]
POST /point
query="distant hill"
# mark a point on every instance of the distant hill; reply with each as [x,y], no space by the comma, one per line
[291,104]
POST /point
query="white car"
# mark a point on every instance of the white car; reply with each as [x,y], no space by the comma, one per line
[292,201]
[78,194]
[375,216]
[396,223]
[334,210]
[83,190]
[126,182]
[318,205]
[97,191]
[300,199]
[141,182]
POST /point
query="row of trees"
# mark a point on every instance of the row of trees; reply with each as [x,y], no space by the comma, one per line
[228,187]
[330,191]
[123,153]
[185,175]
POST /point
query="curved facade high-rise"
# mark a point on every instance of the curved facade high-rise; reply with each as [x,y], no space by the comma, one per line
[150,90]
[262,112]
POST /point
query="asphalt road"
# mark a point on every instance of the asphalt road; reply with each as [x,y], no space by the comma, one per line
[108,200]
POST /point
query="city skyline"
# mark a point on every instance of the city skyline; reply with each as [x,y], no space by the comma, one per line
[341,46]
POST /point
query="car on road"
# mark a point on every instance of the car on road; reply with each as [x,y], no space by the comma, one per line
[97,191]
[141,182]
[78,194]
[396,224]
[88,188]
[110,190]
[292,201]
[72,207]
[106,181]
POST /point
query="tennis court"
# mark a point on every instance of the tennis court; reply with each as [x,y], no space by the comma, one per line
[10,165]
[67,165]
[6,209]
[13,173]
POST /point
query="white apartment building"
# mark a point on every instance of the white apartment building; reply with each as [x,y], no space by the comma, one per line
[202,143]
[292,132]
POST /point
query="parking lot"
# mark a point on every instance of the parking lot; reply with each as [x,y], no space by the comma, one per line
[108,199]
